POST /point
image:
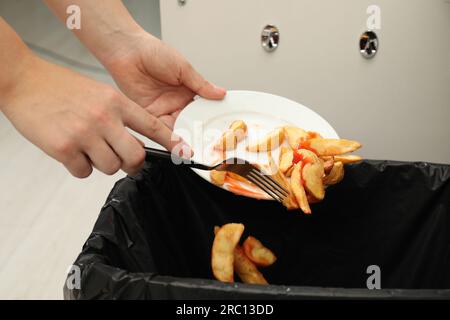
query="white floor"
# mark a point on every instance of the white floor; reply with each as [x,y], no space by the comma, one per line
[45,217]
[45,214]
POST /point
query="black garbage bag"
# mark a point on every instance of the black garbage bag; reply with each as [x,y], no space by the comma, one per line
[153,237]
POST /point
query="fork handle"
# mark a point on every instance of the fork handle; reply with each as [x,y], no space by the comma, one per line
[151,153]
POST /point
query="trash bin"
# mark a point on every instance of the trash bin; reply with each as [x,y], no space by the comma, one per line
[153,237]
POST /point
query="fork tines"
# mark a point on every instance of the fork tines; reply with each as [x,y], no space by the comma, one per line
[268,185]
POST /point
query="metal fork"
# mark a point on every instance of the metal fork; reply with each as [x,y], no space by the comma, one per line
[238,166]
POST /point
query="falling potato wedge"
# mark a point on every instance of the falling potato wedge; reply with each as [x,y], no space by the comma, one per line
[348,158]
[230,138]
[273,140]
[258,253]
[246,269]
[336,174]
[286,157]
[297,188]
[295,136]
[330,147]
[218,177]
[222,253]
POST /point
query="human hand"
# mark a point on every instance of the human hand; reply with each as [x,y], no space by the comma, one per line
[80,122]
[156,76]
[149,72]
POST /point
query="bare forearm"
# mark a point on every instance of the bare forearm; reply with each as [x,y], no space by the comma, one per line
[14,57]
[105,25]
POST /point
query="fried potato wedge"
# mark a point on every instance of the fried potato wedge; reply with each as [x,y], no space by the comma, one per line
[297,188]
[273,140]
[308,156]
[330,147]
[348,158]
[289,172]
[286,157]
[230,138]
[314,135]
[312,174]
[328,163]
[258,253]
[289,202]
[311,199]
[295,135]
[218,177]
[246,269]
[222,253]
[336,174]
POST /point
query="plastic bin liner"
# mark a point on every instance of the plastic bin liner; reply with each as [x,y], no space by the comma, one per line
[153,237]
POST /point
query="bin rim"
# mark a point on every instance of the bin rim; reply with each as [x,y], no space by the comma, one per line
[243,291]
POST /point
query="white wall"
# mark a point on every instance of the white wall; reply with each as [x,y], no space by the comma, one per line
[146,13]
[397,104]
[48,37]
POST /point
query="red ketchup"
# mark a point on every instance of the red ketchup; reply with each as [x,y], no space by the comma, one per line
[306,145]
[235,187]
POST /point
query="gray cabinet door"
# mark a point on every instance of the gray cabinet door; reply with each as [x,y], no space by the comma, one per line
[397,104]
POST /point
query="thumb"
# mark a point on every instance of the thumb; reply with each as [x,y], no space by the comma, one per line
[194,81]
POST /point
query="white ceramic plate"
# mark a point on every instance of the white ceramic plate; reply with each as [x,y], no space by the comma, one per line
[203,121]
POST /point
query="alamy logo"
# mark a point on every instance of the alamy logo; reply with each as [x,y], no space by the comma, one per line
[73,280]
[374,19]
[73,21]
[374,280]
